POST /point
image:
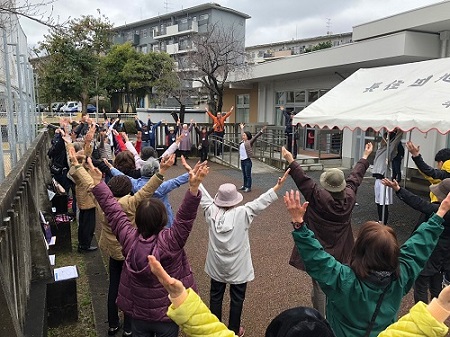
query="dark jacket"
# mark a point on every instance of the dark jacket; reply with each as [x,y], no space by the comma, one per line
[141,295]
[203,137]
[171,137]
[57,152]
[428,170]
[287,119]
[148,130]
[328,217]
[440,258]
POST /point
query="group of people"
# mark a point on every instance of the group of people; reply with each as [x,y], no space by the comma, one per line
[357,284]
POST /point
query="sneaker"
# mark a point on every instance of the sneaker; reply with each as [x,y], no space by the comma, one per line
[127,334]
[247,189]
[445,282]
[241,332]
[113,330]
[242,188]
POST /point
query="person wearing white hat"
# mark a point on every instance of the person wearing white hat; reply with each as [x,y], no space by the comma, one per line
[228,260]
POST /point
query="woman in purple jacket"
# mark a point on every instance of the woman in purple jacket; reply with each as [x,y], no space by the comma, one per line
[140,294]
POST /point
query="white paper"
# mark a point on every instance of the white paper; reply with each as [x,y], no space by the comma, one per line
[52,241]
[51,194]
[52,259]
[65,273]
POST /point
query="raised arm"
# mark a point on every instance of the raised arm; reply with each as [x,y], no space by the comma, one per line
[258,134]
[228,114]
[356,176]
[411,199]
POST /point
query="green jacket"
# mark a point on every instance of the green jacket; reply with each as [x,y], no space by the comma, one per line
[351,302]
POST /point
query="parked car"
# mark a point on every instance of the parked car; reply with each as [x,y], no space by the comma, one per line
[91,108]
[56,106]
[41,107]
[71,107]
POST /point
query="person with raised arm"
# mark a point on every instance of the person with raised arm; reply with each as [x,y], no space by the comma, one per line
[329,215]
[141,296]
[364,295]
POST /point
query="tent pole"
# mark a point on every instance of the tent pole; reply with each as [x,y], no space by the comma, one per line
[386,176]
[407,162]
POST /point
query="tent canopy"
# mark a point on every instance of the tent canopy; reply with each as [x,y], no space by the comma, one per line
[407,96]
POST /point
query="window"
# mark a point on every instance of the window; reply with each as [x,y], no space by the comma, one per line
[313,95]
[300,97]
[243,108]
[203,17]
[281,98]
[144,49]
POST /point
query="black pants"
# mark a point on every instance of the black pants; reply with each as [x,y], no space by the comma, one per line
[237,297]
[397,169]
[155,329]
[289,147]
[423,283]
[204,153]
[86,227]
[115,269]
[218,143]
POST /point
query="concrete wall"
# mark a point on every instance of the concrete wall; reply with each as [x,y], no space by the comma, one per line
[23,254]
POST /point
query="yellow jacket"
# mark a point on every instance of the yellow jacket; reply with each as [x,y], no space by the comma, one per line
[195,319]
[129,203]
[417,323]
[445,167]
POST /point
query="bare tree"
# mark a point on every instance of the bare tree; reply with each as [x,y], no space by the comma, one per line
[33,11]
[217,53]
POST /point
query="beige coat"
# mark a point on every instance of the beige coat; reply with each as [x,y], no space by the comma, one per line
[108,241]
[83,183]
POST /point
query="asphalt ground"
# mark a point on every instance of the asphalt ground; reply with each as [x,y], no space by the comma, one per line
[277,285]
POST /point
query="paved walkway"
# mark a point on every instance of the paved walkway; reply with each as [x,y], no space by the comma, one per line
[277,285]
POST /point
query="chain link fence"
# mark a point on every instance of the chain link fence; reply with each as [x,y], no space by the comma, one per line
[18,113]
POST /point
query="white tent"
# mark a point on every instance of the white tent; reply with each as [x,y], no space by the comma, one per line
[407,96]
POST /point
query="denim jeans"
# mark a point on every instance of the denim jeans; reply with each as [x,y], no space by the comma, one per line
[246,166]
[115,269]
[237,297]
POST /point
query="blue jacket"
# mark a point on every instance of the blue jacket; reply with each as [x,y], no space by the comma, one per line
[162,193]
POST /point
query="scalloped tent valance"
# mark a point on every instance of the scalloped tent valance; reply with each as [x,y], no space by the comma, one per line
[408,96]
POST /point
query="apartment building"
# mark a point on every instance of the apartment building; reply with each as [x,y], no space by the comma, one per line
[272,51]
[173,33]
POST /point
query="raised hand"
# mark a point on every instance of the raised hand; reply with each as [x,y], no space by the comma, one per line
[94,172]
[281,180]
[287,155]
[391,183]
[72,156]
[107,163]
[368,150]
[412,148]
[242,125]
[124,136]
[166,163]
[444,207]
[196,178]
[173,286]
[294,206]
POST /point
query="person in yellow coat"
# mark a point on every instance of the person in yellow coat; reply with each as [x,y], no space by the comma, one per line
[195,319]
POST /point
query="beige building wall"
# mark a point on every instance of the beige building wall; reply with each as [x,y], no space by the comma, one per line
[230,99]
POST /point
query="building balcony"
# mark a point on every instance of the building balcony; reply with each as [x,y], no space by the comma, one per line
[177,48]
[176,30]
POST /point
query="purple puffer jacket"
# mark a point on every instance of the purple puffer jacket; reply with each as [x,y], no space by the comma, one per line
[140,294]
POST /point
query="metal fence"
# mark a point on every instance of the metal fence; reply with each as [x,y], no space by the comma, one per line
[18,116]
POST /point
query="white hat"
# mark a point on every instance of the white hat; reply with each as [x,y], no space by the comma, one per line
[227,196]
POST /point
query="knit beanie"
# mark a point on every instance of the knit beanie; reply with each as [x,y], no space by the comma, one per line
[150,167]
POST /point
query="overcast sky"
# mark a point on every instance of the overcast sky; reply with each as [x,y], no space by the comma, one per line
[271,20]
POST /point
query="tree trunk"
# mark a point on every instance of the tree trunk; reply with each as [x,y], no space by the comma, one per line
[182,112]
